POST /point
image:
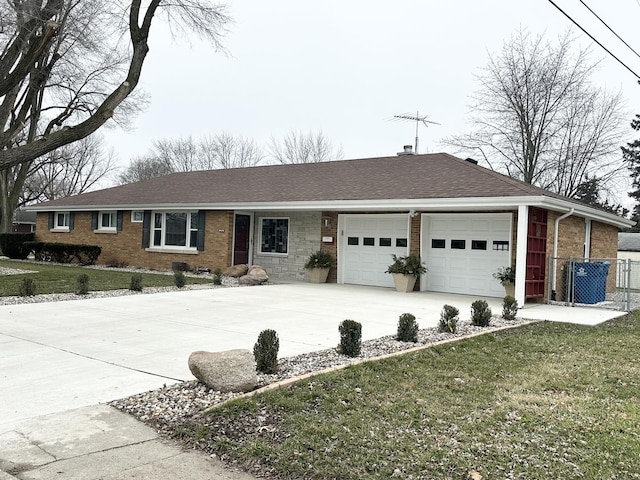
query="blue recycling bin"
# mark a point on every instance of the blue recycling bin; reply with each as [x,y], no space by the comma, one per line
[590,282]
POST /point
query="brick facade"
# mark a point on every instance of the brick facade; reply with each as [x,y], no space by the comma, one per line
[125,247]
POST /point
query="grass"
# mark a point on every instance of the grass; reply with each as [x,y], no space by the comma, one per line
[547,401]
[56,278]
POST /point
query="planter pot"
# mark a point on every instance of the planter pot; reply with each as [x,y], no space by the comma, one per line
[404,283]
[318,275]
[510,289]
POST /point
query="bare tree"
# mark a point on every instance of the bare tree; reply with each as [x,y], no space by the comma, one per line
[70,170]
[226,151]
[538,118]
[186,155]
[66,66]
[144,168]
[297,147]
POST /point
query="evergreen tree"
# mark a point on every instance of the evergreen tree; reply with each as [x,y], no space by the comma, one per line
[631,154]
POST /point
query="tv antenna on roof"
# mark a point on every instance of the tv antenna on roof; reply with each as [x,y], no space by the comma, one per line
[418,119]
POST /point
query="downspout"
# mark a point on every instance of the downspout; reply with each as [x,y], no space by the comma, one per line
[555,250]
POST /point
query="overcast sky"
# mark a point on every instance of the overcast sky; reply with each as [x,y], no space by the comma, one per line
[346,67]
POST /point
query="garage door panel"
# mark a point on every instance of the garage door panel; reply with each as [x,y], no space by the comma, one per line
[365,264]
[467,271]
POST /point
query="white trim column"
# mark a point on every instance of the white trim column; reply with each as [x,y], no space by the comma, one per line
[521,252]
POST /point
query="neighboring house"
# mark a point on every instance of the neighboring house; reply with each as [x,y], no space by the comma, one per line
[23,221]
[629,249]
[465,220]
[629,246]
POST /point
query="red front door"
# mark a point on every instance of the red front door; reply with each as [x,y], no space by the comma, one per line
[241,235]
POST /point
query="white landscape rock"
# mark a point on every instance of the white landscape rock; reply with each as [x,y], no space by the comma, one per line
[228,371]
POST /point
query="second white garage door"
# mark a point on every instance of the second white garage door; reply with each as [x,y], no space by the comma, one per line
[367,243]
[462,251]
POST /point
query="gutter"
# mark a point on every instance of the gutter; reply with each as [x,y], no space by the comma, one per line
[555,250]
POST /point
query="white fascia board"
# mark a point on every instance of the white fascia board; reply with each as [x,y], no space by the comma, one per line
[390,205]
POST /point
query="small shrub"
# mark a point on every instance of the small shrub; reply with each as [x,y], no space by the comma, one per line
[407,328]
[509,308]
[448,319]
[480,313]
[350,337]
[82,282]
[265,351]
[27,287]
[217,277]
[179,279]
[136,283]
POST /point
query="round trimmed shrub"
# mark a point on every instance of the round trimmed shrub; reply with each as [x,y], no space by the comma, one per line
[407,328]
[265,351]
[480,313]
[350,338]
[448,319]
[509,308]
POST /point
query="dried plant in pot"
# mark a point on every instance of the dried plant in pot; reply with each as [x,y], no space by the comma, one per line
[318,265]
[405,271]
[507,277]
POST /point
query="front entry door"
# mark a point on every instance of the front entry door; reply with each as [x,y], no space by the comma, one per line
[242,237]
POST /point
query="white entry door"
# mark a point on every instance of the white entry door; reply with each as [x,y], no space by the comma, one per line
[367,243]
[462,251]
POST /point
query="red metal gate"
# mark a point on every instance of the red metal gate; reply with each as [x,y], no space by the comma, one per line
[536,253]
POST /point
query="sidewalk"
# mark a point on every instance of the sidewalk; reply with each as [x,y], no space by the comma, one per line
[100,442]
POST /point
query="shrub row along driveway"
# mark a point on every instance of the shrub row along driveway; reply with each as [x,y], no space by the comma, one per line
[64,355]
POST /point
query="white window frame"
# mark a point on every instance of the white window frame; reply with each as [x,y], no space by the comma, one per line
[137,216]
[64,227]
[187,248]
[113,221]
[281,254]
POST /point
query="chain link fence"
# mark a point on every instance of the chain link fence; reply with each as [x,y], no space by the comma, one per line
[608,283]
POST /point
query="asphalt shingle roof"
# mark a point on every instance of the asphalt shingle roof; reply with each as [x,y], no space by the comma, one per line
[429,176]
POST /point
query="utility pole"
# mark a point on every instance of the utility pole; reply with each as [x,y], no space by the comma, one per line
[418,119]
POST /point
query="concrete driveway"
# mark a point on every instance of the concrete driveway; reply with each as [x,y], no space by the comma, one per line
[64,355]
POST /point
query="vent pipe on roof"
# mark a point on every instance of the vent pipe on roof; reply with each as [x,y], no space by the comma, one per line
[471,160]
[408,150]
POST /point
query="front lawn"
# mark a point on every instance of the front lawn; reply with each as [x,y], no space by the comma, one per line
[56,278]
[544,401]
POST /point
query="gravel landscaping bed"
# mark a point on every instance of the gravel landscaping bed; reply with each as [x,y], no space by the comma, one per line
[170,408]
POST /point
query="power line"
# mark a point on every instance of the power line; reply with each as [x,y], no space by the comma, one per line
[594,39]
[610,29]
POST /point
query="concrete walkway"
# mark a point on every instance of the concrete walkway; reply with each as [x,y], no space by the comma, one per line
[58,358]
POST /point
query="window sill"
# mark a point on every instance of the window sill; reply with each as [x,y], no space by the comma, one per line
[60,230]
[185,251]
[273,254]
[105,231]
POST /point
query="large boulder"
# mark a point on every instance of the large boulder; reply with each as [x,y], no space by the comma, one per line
[229,371]
[255,276]
[258,273]
[236,271]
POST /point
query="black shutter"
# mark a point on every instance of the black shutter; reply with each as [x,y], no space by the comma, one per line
[119,217]
[52,218]
[201,231]
[94,220]
[72,220]
[146,228]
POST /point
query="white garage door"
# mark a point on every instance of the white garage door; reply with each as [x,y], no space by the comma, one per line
[367,243]
[462,251]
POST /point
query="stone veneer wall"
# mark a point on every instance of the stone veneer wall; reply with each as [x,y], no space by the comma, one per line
[304,239]
[125,246]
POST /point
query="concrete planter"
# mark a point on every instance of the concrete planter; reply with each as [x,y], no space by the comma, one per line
[317,275]
[404,283]
[510,289]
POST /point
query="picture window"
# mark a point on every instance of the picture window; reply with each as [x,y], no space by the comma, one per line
[274,235]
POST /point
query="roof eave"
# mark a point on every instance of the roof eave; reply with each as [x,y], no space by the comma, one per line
[431,204]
